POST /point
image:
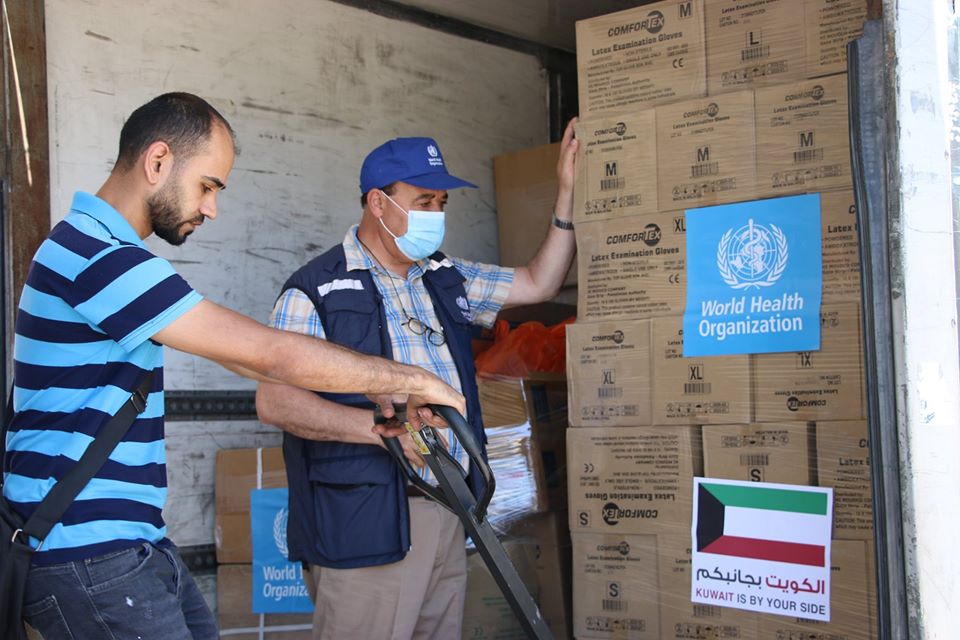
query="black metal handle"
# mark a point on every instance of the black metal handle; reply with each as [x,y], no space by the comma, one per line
[457,496]
[461,429]
[396,450]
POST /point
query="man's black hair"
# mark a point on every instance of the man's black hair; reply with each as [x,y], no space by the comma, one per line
[182,120]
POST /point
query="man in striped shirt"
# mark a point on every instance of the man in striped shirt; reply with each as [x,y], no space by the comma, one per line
[94,314]
[383,562]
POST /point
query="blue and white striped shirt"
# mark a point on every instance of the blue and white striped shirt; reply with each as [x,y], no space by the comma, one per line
[93,298]
[487,287]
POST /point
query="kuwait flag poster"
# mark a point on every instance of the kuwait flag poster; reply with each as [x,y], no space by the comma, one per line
[762,547]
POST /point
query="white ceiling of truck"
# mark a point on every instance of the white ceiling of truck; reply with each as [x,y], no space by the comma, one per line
[546,22]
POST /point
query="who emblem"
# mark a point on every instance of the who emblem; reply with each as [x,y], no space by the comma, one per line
[280,531]
[752,256]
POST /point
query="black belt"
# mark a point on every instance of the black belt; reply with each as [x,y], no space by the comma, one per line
[413,492]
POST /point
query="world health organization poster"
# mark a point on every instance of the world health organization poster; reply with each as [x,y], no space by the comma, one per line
[753,277]
[278,585]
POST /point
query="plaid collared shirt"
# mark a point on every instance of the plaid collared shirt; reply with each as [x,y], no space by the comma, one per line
[487,287]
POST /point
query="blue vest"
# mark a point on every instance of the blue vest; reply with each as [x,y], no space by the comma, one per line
[348,502]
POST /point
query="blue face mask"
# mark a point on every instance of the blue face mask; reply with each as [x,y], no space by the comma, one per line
[424,232]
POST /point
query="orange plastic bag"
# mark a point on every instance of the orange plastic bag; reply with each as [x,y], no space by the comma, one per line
[530,347]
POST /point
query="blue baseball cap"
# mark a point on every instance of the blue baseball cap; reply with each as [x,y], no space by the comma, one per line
[416,161]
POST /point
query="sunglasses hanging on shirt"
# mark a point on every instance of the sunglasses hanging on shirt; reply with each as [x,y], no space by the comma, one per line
[417,327]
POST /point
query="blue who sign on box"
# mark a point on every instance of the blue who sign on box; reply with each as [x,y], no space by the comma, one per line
[278,584]
[753,277]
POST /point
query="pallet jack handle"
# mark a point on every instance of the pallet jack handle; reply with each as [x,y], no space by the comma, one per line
[461,429]
[454,494]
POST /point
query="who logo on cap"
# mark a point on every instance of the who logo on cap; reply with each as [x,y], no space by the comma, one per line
[416,161]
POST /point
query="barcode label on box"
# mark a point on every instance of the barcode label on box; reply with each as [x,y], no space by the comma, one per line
[605,393]
[709,631]
[758,439]
[789,634]
[746,74]
[619,625]
[704,169]
[613,605]
[754,460]
[807,155]
[705,611]
[696,388]
[755,53]
[612,184]
[601,412]
[799,177]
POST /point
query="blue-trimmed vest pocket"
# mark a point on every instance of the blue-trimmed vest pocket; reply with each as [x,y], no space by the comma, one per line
[353,319]
[355,493]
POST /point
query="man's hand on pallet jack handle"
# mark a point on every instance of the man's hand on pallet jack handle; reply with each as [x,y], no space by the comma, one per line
[390,421]
[412,451]
[430,390]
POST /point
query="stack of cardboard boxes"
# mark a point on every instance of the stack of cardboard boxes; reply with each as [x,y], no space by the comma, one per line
[238,471]
[686,104]
[525,420]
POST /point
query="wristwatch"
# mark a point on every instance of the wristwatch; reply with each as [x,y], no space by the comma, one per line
[566,225]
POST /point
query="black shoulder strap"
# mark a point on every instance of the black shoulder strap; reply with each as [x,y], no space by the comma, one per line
[7,417]
[53,506]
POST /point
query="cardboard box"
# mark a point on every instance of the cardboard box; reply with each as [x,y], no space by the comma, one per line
[681,619]
[632,267]
[840,247]
[236,475]
[753,44]
[550,534]
[540,399]
[698,390]
[814,385]
[803,137]
[487,614]
[849,601]
[526,191]
[547,313]
[628,480]
[843,462]
[616,167]
[640,57]
[525,420]
[530,467]
[830,25]
[706,151]
[775,452]
[608,373]
[234,615]
[615,587]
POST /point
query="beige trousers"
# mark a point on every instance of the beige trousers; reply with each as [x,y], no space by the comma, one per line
[419,597]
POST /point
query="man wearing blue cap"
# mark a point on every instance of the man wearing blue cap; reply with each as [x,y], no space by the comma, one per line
[382,561]
[96,311]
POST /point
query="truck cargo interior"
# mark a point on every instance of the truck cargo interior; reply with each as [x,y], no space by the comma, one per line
[737,419]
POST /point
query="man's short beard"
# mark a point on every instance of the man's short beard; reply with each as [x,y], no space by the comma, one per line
[164,209]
